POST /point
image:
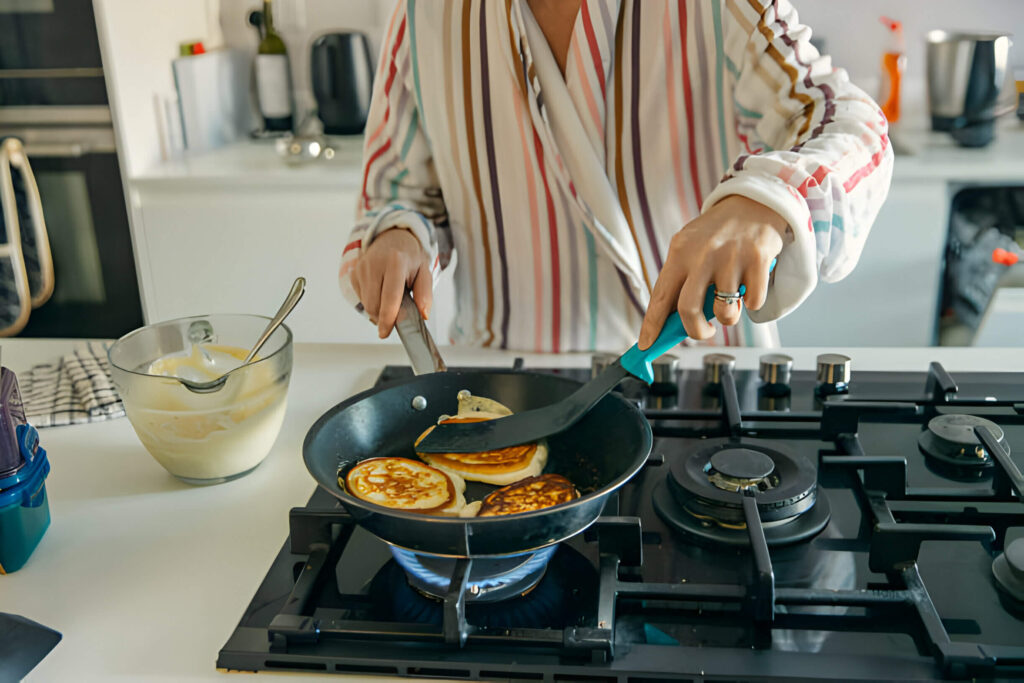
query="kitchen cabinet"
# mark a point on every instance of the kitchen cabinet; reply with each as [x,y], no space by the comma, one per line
[891,298]
[217,252]
[230,231]
[211,248]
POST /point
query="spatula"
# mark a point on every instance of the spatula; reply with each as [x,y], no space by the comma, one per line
[536,424]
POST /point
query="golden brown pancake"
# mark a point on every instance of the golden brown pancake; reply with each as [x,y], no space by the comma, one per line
[534,493]
[500,467]
[406,484]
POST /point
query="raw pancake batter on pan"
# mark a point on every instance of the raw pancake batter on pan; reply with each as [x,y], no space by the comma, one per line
[596,165]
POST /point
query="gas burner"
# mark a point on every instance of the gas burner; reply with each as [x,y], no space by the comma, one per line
[1008,572]
[561,598]
[736,469]
[490,579]
[952,449]
[703,495]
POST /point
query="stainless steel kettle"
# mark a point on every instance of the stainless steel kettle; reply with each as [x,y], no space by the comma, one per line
[342,76]
[969,80]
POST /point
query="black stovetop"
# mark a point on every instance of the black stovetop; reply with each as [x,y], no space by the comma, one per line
[897,586]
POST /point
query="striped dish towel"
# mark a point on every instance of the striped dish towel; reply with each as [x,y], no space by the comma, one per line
[74,390]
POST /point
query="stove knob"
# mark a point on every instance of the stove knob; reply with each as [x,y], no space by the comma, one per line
[665,369]
[833,374]
[775,368]
[715,365]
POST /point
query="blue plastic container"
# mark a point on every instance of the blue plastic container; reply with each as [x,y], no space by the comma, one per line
[24,509]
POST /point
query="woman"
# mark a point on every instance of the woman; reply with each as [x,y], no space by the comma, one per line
[599,163]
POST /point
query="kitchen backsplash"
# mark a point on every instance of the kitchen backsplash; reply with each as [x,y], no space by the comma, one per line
[855,38]
[852,33]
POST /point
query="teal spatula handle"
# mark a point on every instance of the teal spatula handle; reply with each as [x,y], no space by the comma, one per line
[638,363]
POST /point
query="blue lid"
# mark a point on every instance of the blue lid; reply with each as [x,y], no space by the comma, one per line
[26,480]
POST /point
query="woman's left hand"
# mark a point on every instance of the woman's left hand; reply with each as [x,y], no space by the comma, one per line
[733,243]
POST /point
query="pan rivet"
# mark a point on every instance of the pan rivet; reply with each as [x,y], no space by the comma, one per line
[463,395]
[419,403]
[474,589]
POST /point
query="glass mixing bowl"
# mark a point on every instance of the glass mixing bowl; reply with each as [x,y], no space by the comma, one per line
[204,438]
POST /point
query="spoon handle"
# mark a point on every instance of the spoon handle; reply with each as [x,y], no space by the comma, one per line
[298,289]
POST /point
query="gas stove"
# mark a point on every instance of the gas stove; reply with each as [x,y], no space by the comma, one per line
[875,518]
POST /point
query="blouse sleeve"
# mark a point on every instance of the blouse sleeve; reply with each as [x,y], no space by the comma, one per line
[817,150]
[399,188]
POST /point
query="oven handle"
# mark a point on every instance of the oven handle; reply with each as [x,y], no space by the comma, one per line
[73,150]
[12,250]
[19,159]
[69,150]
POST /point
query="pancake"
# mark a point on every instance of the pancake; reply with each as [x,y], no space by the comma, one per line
[535,493]
[500,467]
[405,484]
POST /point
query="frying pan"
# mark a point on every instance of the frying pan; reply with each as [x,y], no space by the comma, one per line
[598,454]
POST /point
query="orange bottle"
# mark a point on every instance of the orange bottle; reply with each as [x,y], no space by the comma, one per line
[893,62]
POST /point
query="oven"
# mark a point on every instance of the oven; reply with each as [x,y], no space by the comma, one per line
[53,98]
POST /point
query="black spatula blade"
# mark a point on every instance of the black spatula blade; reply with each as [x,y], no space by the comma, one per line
[524,427]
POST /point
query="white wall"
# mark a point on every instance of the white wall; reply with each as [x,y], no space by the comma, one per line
[137,43]
[855,38]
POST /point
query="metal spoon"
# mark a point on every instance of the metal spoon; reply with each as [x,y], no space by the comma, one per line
[298,289]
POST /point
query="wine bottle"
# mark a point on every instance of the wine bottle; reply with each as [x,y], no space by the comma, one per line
[273,76]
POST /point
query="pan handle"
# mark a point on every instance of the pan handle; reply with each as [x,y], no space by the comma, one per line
[416,339]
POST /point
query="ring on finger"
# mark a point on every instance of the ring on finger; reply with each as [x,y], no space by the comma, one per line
[728,298]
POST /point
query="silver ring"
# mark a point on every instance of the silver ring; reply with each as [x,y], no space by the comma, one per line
[728,298]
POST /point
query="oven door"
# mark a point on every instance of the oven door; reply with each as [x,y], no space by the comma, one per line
[96,292]
[49,54]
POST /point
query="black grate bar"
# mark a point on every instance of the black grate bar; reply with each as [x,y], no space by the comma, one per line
[731,404]
[842,598]
[1001,516]
[308,527]
[1007,475]
[762,595]
[844,416]
[711,415]
[885,473]
[454,623]
[711,592]
[940,384]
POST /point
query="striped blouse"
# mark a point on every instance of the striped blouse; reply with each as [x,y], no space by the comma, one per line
[681,103]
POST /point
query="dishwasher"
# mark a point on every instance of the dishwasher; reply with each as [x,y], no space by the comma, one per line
[982,300]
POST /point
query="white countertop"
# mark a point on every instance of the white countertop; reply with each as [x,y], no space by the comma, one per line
[146,577]
[255,163]
[936,156]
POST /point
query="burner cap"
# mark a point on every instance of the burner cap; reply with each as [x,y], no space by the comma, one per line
[734,469]
[709,483]
[707,533]
[1008,572]
[950,440]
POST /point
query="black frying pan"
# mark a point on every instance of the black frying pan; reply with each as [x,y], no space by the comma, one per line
[598,454]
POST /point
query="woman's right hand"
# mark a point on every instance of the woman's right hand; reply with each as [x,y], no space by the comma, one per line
[395,261]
